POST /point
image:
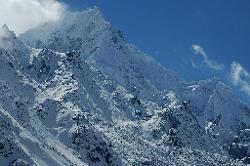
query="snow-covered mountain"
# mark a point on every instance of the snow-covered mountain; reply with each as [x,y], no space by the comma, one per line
[74,92]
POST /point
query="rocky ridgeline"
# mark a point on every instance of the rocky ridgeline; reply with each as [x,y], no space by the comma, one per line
[74,92]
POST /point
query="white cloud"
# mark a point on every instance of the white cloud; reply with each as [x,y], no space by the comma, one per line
[240,77]
[210,63]
[21,15]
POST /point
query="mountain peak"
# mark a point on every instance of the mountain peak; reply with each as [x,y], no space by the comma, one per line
[74,28]
[8,38]
[90,13]
[85,95]
[12,44]
[95,10]
[5,32]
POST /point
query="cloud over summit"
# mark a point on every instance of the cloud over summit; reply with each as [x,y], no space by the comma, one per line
[21,15]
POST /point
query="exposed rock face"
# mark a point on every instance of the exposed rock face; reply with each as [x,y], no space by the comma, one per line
[73,92]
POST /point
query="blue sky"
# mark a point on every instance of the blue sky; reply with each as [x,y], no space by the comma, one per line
[169,30]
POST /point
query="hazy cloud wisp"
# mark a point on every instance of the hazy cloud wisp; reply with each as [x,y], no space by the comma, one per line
[21,15]
[240,77]
[210,63]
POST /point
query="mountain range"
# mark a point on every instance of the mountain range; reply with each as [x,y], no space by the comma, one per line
[75,92]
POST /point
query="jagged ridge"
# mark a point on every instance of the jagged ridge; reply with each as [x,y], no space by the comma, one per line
[83,96]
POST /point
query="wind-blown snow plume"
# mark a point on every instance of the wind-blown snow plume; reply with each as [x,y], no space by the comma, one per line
[21,15]
[210,63]
[240,77]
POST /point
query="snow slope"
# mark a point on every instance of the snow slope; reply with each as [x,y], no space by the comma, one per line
[74,92]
